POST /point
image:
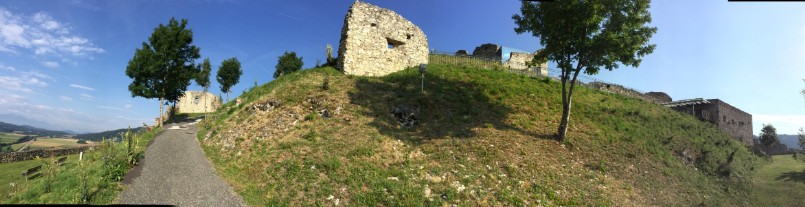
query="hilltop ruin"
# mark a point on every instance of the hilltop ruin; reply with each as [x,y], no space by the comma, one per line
[377,41]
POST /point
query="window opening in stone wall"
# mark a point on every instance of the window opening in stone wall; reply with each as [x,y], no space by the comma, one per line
[374,25]
[724,118]
[393,43]
[196,100]
[408,36]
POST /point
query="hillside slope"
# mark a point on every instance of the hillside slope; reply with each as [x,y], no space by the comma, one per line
[482,138]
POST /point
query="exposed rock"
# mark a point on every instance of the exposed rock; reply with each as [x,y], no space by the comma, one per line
[459,187]
[377,41]
[405,116]
[266,105]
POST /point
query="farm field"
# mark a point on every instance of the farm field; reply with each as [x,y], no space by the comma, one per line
[51,143]
[9,137]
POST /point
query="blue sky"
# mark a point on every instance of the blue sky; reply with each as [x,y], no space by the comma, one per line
[63,62]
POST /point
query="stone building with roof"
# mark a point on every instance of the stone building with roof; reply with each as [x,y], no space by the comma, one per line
[726,117]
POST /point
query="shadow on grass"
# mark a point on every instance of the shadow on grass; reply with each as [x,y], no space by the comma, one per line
[447,108]
[793,176]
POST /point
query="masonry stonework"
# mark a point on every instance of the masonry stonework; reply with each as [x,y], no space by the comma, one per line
[726,117]
[488,50]
[198,102]
[377,41]
[518,61]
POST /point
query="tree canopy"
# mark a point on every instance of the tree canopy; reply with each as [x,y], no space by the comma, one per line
[586,36]
[229,75]
[768,135]
[163,67]
[288,63]
[203,75]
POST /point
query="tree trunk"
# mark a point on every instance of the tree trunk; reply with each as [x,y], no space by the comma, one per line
[227,96]
[205,103]
[161,105]
[567,99]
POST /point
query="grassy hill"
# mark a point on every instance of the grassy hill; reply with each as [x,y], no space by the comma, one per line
[483,137]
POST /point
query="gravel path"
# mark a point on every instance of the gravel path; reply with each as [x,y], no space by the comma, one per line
[176,172]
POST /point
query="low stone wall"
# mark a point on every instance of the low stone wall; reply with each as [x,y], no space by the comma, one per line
[615,88]
[42,153]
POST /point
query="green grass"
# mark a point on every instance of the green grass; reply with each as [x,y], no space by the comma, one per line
[780,183]
[92,181]
[10,174]
[9,137]
[483,138]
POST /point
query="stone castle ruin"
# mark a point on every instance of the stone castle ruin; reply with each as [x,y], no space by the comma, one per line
[726,117]
[510,58]
[377,41]
[198,102]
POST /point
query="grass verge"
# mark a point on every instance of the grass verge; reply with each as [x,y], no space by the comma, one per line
[95,180]
[780,183]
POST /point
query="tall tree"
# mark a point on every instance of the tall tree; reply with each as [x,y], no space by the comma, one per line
[288,63]
[768,135]
[229,75]
[801,135]
[163,67]
[586,36]
[203,78]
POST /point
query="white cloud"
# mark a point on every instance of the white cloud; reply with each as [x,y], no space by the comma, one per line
[126,107]
[8,68]
[85,96]
[82,87]
[41,34]
[37,74]
[65,98]
[50,64]
[785,124]
[20,83]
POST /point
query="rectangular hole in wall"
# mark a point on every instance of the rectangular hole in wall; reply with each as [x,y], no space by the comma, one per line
[393,43]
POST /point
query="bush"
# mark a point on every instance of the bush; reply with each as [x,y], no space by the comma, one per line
[287,64]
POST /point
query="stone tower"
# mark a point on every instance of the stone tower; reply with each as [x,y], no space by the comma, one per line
[377,41]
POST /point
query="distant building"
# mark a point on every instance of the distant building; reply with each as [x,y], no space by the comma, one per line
[198,102]
[510,57]
[727,118]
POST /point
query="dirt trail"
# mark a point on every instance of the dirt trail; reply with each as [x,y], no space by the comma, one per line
[176,172]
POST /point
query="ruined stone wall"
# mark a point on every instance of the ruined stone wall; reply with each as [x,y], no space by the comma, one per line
[377,41]
[659,97]
[488,50]
[198,102]
[730,120]
[733,121]
[518,61]
[42,153]
[615,88]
